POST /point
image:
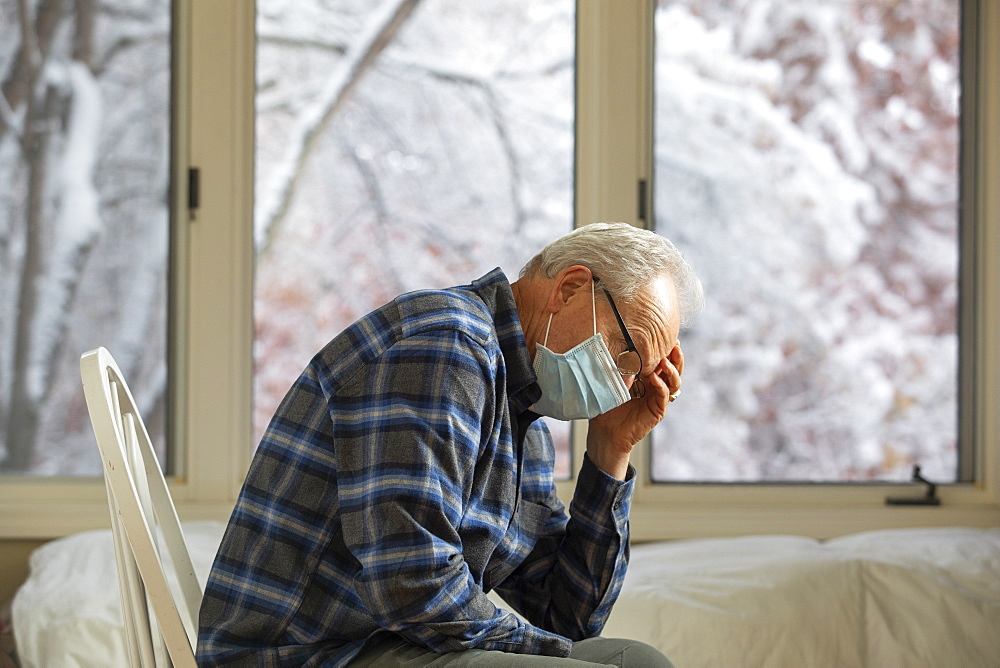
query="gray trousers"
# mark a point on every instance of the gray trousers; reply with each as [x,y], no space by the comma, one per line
[591,652]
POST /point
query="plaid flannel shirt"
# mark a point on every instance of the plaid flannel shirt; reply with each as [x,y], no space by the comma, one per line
[400,479]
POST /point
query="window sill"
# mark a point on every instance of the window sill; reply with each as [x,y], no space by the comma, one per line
[55,519]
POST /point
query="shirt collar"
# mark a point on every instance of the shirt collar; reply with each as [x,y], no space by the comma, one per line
[495,291]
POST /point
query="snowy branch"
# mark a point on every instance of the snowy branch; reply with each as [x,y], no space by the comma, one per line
[277,39]
[309,127]
[7,116]
[484,82]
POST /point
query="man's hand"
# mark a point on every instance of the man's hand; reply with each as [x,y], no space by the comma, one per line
[612,435]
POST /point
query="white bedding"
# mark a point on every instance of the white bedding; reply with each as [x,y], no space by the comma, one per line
[68,612]
[928,597]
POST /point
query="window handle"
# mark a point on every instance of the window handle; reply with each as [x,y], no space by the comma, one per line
[929,498]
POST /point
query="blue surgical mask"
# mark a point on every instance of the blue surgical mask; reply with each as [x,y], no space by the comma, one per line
[581,383]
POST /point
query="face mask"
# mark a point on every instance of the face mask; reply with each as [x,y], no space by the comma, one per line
[581,383]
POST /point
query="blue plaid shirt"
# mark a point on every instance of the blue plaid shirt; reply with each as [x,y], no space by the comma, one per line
[400,479]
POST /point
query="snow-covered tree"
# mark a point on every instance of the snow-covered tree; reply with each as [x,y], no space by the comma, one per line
[807,159]
[84,165]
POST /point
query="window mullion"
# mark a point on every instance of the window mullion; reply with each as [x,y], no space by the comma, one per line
[214,353]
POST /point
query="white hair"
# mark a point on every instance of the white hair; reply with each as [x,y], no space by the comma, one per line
[626,259]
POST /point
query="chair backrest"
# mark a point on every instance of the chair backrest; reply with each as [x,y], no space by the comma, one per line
[142,518]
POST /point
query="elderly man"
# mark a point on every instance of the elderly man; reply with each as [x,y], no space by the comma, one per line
[406,474]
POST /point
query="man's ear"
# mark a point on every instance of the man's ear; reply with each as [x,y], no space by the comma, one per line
[566,285]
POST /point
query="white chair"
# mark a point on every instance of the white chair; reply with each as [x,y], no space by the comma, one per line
[142,515]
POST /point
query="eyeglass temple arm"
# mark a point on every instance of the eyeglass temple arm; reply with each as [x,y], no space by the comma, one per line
[618,316]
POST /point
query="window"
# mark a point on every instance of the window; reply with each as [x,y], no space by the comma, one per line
[204,77]
[212,328]
[84,235]
[401,146]
[807,159]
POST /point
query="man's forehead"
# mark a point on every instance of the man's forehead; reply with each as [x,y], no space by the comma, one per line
[658,300]
[663,287]
[662,313]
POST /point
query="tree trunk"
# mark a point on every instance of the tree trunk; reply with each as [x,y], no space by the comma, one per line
[30,385]
[25,388]
[36,43]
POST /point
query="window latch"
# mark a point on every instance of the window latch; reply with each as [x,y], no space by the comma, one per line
[929,498]
[642,202]
[194,191]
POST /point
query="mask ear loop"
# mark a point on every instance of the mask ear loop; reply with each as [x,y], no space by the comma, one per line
[547,328]
[593,303]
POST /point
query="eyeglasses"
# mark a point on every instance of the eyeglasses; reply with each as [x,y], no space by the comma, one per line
[629,362]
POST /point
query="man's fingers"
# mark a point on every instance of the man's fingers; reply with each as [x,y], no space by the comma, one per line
[676,357]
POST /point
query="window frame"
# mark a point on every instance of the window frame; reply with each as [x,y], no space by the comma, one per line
[212,289]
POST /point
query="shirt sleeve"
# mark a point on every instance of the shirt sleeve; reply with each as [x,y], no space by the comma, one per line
[406,450]
[571,579]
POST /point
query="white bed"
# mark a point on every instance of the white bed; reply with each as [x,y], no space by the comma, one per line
[928,597]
